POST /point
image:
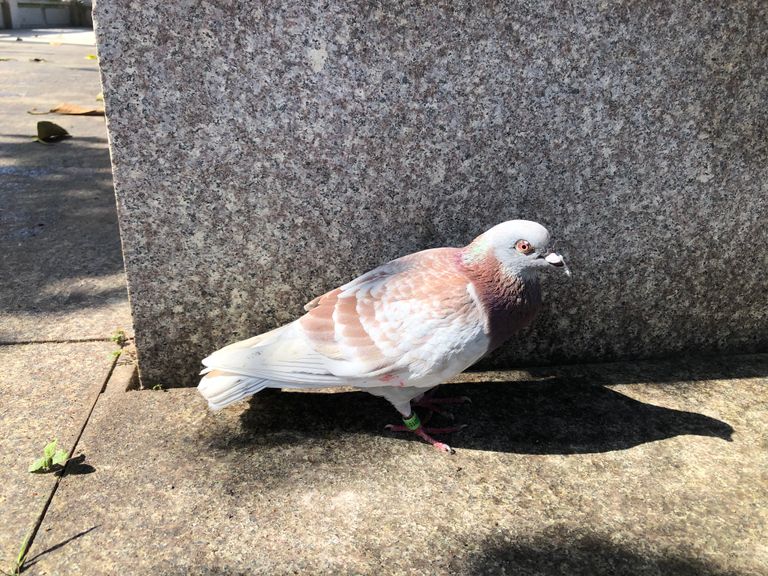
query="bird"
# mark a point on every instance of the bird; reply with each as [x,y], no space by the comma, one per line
[399,330]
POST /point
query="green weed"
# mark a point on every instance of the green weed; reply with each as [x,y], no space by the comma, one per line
[118,337]
[17,565]
[51,458]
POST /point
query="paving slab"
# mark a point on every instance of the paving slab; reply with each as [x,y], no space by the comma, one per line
[58,225]
[54,36]
[580,472]
[46,390]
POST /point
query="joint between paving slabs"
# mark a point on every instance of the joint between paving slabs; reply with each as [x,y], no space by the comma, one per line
[124,378]
[32,533]
[54,341]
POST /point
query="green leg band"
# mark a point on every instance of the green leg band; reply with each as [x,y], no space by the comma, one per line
[413,422]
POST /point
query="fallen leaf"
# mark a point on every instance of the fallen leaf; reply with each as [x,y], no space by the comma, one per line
[91,57]
[75,110]
[70,110]
[100,96]
[48,132]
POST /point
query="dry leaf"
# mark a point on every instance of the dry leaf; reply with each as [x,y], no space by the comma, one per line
[75,110]
[91,57]
[48,132]
[100,96]
[71,110]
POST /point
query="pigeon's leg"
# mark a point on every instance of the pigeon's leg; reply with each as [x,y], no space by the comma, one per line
[429,402]
[413,424]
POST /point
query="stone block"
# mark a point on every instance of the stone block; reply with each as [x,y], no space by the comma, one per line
[264,154]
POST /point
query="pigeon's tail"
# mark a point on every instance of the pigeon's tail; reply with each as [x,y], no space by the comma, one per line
[222,388]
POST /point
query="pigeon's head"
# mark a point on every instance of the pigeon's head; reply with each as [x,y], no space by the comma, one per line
[520,246]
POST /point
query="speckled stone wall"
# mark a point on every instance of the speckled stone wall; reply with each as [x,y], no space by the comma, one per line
[266,152]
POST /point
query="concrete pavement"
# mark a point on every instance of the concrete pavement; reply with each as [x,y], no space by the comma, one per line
[52,36]
[62,286]
[559,473]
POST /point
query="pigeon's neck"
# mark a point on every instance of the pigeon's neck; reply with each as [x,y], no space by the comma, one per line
[510,301]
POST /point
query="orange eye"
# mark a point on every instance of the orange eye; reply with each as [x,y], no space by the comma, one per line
[523,246]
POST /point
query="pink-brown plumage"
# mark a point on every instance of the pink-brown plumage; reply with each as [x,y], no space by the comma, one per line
[400,329]
[509,302]
[358,322]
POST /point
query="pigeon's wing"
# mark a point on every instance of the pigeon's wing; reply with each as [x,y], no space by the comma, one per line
[413,316]
[282,356]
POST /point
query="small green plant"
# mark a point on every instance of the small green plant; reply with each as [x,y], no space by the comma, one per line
[158,387]
[116,353]
[16,568]
[52,457]
[118,337]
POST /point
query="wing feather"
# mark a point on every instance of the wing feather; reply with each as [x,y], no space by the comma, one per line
[411,319]
[399,317]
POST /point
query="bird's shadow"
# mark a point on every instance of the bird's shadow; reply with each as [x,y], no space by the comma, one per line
[555,416]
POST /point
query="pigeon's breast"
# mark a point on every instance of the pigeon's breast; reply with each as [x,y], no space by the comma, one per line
[510,304]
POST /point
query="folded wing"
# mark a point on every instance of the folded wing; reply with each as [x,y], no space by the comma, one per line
[410,319]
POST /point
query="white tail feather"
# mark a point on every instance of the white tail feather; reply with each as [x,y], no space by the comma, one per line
[222,389]
[283,355]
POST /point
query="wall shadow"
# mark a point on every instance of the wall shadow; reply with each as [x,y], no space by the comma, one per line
[557,416]
[670,368]
[58,226]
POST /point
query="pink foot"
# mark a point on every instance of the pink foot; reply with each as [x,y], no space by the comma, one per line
[439,445]
[424,434]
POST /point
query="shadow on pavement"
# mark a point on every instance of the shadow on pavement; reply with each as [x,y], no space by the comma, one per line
[675,369]
[32,561]
[58,226]
[575,553]
[558,552]
[556,416]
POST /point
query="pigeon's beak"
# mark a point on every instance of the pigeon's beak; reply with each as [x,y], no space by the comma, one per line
[557,261]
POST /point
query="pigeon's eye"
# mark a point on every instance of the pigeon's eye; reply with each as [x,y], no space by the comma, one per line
[523,246]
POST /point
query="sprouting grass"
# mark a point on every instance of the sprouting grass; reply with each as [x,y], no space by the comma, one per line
[19,563]
[118,337]
[51,459]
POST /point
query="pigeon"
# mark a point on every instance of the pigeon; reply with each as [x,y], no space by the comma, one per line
[399,330]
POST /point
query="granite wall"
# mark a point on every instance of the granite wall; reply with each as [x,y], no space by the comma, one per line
[266,152]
